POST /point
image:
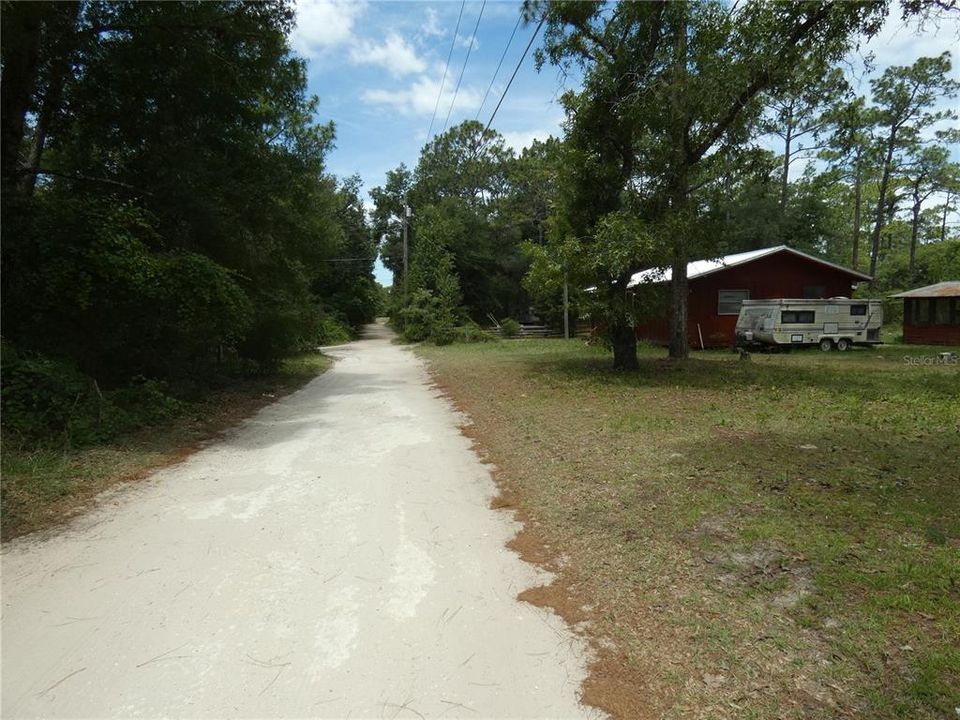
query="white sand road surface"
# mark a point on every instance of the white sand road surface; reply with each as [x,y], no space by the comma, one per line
[333,557]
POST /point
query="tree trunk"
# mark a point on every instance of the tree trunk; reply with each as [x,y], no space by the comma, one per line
[679,190]
[882,203]
[679,291]
[623,337]
[857,202]
[914,227]
[63,27]
[785,177]
[22,23]
[943,220]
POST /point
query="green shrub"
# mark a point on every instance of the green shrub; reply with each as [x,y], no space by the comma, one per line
[46,399]
[41,397]
[509,327]
[412,317]
[422,317]
[202,305]
[281,326]
[443,335]
[333,331]
[473,333]
[356,304]
[145,402]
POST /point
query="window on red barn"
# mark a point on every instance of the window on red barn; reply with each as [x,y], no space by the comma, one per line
[729,301]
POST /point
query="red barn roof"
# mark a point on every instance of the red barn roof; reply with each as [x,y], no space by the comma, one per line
[700,268]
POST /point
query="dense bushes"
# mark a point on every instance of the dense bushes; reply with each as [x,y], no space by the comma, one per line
[45,399]
[333,331]
[429,316]
[158,222]
[85,283]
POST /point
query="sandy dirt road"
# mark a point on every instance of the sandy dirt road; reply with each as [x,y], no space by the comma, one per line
[333,557]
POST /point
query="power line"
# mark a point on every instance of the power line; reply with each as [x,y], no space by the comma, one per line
[445,68]
[473,39]
[515,71]
[497,71]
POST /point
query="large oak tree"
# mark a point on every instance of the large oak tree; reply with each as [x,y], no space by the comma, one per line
[671,91]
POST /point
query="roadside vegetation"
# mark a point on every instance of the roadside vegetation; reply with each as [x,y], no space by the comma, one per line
[772,538]
[171,235]
[50,472]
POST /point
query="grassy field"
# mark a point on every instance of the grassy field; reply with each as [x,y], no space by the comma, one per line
[772,538]
[44,485]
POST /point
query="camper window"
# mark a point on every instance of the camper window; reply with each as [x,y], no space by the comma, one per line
[858,309]
[797,317]
[729,301]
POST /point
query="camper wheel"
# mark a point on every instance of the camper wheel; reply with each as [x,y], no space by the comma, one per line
[826,344]
[843,344]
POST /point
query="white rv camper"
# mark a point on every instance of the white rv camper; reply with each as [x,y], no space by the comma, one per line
[837,323]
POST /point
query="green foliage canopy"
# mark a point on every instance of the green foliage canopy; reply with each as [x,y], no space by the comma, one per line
[166,208]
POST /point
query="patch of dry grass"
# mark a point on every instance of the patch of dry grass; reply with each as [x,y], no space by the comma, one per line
[42,486]
[777,538]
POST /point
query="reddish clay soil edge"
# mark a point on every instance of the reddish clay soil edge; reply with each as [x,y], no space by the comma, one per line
[611,684]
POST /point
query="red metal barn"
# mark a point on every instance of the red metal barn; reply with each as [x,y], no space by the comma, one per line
[931,315]
[717,287]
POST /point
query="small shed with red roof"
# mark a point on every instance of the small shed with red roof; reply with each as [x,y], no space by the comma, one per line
[931,314]
[718,287]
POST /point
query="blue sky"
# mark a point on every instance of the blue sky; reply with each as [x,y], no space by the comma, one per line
[377,68]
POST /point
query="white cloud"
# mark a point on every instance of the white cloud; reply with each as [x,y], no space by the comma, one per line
[431,26]
[520,139]
[420,98]
[902,43]
[323,24]
[466,41]
[394,54]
